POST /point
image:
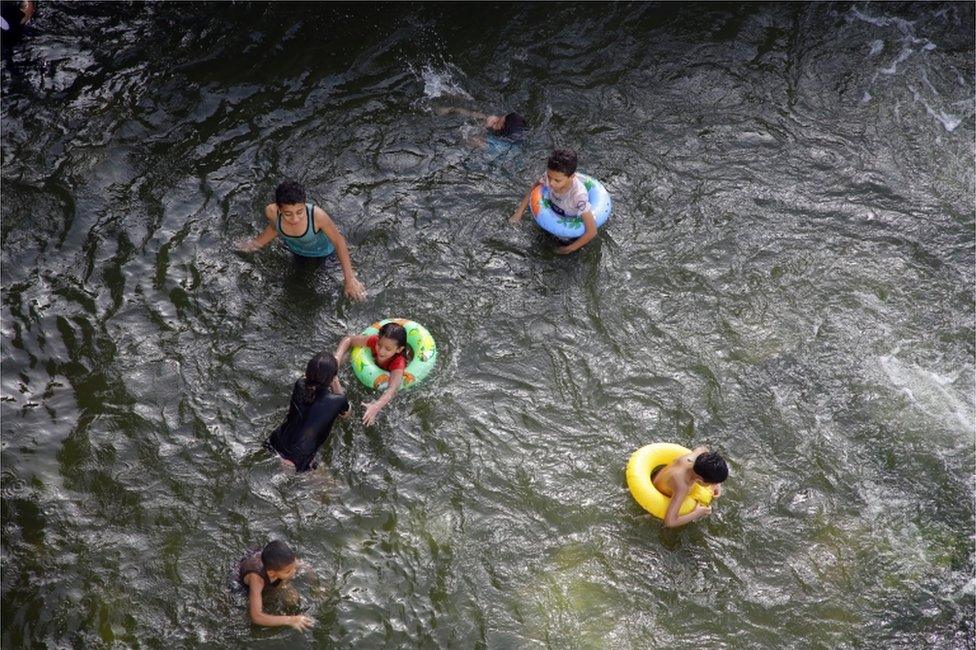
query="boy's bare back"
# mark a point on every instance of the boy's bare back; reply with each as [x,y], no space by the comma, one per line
[679,473]
[675,481]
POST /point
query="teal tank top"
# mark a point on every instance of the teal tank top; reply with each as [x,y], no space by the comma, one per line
[313,243]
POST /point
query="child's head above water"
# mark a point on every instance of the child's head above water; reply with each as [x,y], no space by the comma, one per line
[392,340]
[512,126]
[562,161]
[279,561]
[320,371]
[711,467]
[560,169]
[289,192]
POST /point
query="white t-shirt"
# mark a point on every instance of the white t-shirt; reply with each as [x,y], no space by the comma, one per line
[574,202]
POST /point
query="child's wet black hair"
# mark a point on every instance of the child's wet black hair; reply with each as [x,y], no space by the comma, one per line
[277,555]
[711,467]
[289,192]
[320,371]
[514,127]
[562,160]
[398,334]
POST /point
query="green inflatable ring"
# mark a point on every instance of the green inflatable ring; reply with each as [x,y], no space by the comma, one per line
[420,342]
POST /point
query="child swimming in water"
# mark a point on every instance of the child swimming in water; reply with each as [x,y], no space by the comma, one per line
[677,479]
[509,128]
[270,568]
[307,231]
[567,194]
[316,401]
[390,351]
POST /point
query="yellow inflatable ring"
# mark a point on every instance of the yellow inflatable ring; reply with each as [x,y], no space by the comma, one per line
[644,461]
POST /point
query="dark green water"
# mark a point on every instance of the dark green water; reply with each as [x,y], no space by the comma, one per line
[788,277]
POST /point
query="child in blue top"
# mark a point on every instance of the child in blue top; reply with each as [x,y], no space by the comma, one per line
[307,231]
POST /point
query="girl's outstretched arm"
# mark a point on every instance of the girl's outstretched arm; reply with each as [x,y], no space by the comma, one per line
[373,408]
[345,344]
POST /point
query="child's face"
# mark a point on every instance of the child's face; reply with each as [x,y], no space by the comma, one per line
[292,213]
[558,181]
[284,574]
[385,349]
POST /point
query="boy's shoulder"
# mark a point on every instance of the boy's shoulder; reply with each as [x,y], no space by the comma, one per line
[320,216]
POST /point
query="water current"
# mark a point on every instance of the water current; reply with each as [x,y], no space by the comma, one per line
[787,276]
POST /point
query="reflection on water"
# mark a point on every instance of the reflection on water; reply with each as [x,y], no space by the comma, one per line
[787,277]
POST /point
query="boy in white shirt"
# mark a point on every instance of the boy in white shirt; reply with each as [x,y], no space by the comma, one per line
[567,196]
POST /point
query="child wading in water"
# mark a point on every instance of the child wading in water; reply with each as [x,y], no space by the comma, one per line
[316,401]
[676,480]
[265,570]
[307,231]
[390,351]
[567,196]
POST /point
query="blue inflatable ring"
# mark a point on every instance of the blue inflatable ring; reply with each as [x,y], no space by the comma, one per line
[570,227]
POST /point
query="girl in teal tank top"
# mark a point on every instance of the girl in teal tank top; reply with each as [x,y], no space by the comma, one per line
[312,243]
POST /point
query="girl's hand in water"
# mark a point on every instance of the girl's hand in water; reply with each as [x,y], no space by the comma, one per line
[301,623]
[355,290]
[702,511]
[372,409]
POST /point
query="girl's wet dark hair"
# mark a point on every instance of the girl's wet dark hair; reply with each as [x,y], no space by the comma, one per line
[711,467]
[562,160]
[277,555]
[319,372]
[397,333]
[514,127]
[289,192]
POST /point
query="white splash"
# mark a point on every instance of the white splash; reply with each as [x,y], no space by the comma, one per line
[929,392]
[893,68]
[440,82]
[948,120]
[883,21]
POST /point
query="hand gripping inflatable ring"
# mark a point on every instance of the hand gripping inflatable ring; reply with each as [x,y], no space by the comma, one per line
[418,339]
[570,227]
[644,461]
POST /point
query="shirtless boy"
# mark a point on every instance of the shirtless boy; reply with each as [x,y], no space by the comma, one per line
[676,480]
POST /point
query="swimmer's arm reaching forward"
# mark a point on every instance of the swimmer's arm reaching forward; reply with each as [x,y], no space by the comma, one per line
[520,210]
[346,343]
[255,585]
[671,517]
[354,289]
[589,223]
[267,235]
[446,110]
[373,408]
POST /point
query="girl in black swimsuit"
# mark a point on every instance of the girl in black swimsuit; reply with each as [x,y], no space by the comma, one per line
[316,401]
